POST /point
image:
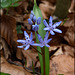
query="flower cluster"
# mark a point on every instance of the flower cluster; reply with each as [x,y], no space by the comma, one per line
[49,28]
[29,41]
[32,21]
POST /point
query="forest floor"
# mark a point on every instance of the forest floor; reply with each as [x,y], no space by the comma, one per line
[61,48]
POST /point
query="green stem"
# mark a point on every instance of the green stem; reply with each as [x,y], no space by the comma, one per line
[43,55]
[33,68]
[36,49]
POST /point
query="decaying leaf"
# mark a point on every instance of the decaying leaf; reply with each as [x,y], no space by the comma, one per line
[12,69]
[47,9]
[62,64]
[8,29]
[8,35]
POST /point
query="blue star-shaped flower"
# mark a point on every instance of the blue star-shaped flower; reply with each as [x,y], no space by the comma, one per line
[43,43]
[26,43]
[35,27]
[52,27]
[32,21]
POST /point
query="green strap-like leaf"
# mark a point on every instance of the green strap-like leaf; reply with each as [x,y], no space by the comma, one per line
[38,13]
[1,73]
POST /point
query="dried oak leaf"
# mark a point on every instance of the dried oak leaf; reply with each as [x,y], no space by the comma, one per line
[8,29]
[62,64]
[12,69]
[47,9]
[8,33]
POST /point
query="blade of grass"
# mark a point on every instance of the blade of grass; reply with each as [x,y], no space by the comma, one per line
[33,68]
[1,73]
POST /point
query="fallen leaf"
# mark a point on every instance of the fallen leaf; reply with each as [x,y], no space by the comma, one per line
[12,69]
[62,64]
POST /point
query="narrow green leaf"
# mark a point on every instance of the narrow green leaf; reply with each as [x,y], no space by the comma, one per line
[38,13]
[47,60]
[33,68]
[1,73]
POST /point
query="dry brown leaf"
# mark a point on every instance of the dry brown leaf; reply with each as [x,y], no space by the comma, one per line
[62,64]
[8,29]
[30,56]
[68,50]
[9,36]
[47,9]
[8,32]
[12,69]
[63,49]
[71,9]
[68,31]
[58,52]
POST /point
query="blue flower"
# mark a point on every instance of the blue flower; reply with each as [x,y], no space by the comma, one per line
[39,20]
[34,21]
[35,27]
[43,43]
[31,15]
[30,21]
[52,27]
[26,43]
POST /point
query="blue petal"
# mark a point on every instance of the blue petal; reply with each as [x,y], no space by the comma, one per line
[35,27]
[26,35]
[30,21]
[21,41]
[47,45]
[57,24]
[47,28]
[52,33]
[32,12]
[20,46]
[45,23]
[32,43]
[46,36]
[36,44]
[31,16]
[26,47]
[50,21]
[49,40]
[58,30]
[31,36]
[34,18]
[39,20]
[40,38]
[41,45]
